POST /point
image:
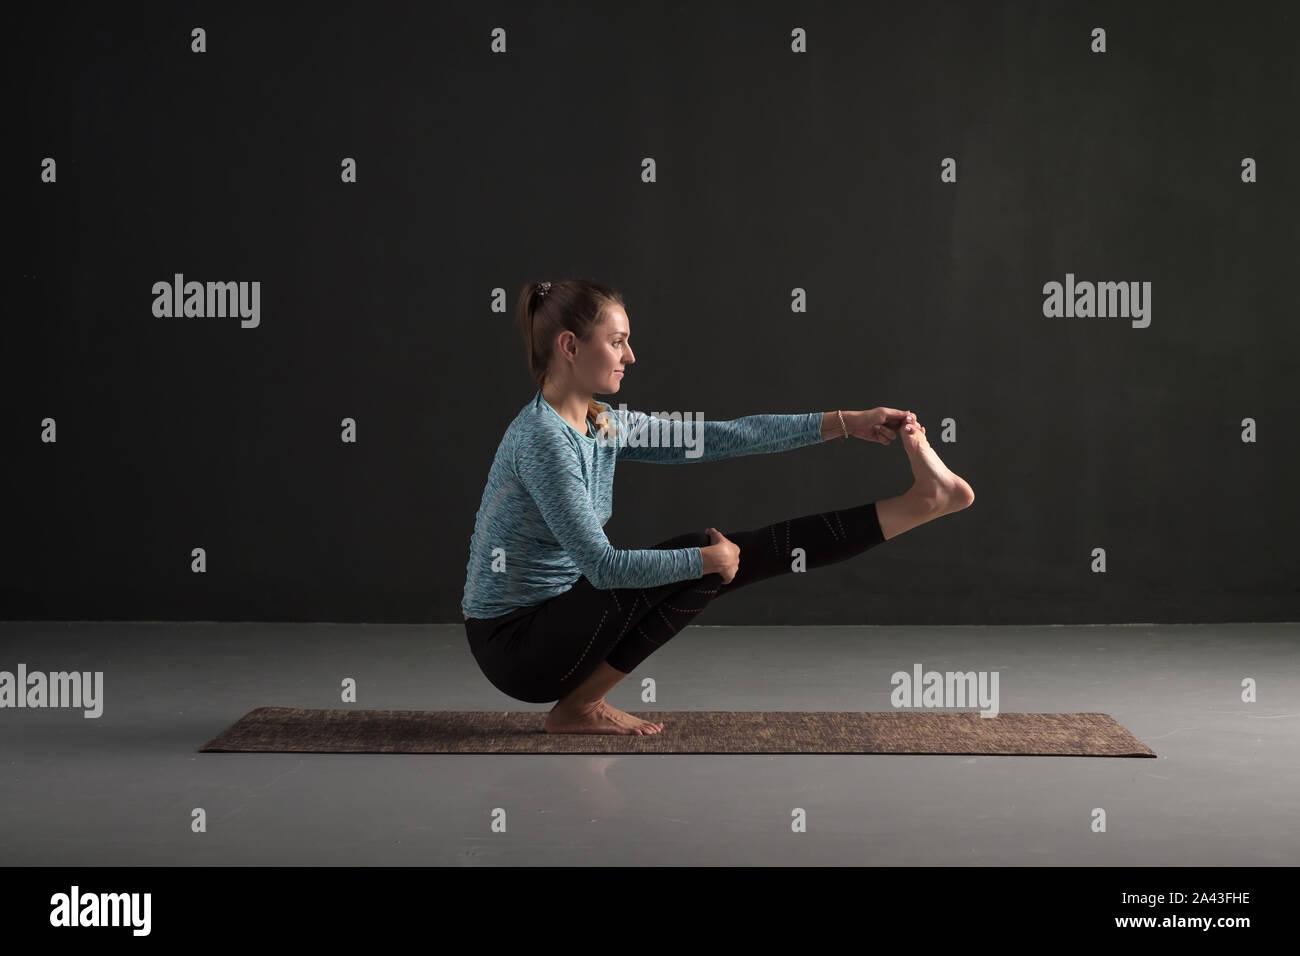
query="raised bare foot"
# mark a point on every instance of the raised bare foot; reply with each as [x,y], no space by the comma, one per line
[603,718]
[933,481]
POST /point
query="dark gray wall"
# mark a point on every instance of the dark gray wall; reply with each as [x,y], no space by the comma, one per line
[1171,446]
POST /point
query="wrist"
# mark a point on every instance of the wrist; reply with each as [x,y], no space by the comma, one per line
[835,425]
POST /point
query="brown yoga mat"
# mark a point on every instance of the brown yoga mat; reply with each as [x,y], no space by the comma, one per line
[294,730]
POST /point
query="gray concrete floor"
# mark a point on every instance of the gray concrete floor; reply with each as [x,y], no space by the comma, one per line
[120,789]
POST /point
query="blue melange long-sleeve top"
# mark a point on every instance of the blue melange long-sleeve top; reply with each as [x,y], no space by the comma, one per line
[549,494]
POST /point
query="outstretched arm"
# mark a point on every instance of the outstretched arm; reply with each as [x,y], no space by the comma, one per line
[670,441]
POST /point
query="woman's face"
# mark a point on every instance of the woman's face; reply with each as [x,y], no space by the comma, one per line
[606,356]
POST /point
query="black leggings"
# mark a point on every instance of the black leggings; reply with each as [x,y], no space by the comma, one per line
[539,654]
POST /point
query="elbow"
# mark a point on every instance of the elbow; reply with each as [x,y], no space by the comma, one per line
[600,571]
[600,578]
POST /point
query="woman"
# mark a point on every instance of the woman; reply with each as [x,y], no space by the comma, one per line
[553,612]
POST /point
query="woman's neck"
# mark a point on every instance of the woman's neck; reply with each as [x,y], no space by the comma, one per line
[572,407]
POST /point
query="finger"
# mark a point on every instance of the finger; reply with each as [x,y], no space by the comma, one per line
[899,420]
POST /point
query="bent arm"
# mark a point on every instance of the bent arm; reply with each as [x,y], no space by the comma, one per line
[552,476]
